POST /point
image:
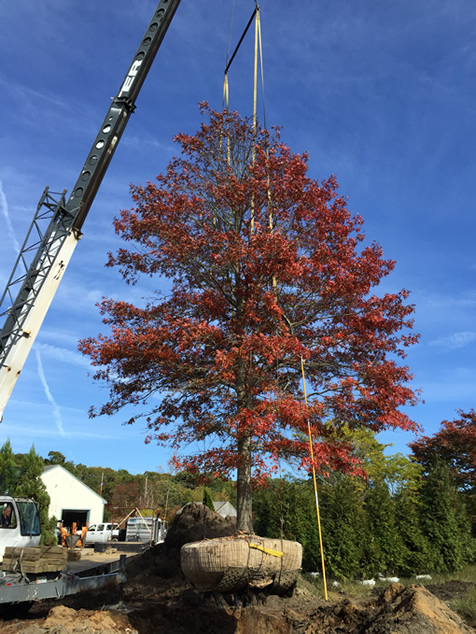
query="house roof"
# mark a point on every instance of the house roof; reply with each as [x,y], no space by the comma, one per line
[223,506]
[50,467]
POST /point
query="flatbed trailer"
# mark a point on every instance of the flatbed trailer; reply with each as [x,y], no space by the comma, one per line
[16,588]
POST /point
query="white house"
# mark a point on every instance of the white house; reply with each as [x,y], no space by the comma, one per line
[224,508]
[71,499]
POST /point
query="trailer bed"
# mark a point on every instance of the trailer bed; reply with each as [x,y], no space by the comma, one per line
[88,573]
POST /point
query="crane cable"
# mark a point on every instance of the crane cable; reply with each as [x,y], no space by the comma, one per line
[230,61]
[255,103]
[226,93]
[226,96]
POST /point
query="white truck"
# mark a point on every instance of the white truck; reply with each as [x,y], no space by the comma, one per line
[102,533]
[19,523]
[146,529]
[140,529]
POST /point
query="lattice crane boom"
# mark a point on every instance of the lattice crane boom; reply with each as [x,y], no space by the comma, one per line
[56,227]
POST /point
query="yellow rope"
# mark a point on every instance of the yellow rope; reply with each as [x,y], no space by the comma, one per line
[225,93]
[262,71]
[315,483]
[268,551]
[255,101]
[255,83]
[226,102]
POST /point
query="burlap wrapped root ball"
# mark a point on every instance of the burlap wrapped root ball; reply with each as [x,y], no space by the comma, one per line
[233,563]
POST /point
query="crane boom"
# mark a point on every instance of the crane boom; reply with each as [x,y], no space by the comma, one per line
[56,226]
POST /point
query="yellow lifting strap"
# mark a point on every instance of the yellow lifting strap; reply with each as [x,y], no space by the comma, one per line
[226,96]
[268,551]
[255,77]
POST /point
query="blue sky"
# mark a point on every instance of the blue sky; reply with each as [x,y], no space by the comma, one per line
[381,94]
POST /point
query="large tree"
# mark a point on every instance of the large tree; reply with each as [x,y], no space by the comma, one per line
[268,270]
[455,445]
[439,517]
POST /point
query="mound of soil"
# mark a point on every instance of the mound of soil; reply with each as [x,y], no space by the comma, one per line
[196,522]
[398,609]
[157,597]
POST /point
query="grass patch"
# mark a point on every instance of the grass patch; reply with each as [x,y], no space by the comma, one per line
[335,588]
[467,574]
[466,607]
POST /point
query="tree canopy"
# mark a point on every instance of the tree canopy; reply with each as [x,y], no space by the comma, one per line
[455,445]
[9,470]
[269,273]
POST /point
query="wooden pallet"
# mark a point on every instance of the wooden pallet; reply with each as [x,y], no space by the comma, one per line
[35,560]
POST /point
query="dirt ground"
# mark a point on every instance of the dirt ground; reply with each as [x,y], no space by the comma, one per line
[157,598]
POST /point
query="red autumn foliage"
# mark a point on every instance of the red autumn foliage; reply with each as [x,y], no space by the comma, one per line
[267,268]
[455,445]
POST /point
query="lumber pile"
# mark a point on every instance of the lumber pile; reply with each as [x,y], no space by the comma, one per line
[34,560]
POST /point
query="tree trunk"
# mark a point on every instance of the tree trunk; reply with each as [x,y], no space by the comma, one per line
[243,486]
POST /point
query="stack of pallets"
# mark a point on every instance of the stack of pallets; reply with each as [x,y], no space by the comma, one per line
[34,560]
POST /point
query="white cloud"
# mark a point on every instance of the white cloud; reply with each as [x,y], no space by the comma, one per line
[56,409]
[25,97]
[148,141]
[6,215]
[455,341]
[451,384]
[16,432]
[432,301]
[62,354]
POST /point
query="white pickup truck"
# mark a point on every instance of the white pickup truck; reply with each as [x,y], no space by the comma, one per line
[102,533]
